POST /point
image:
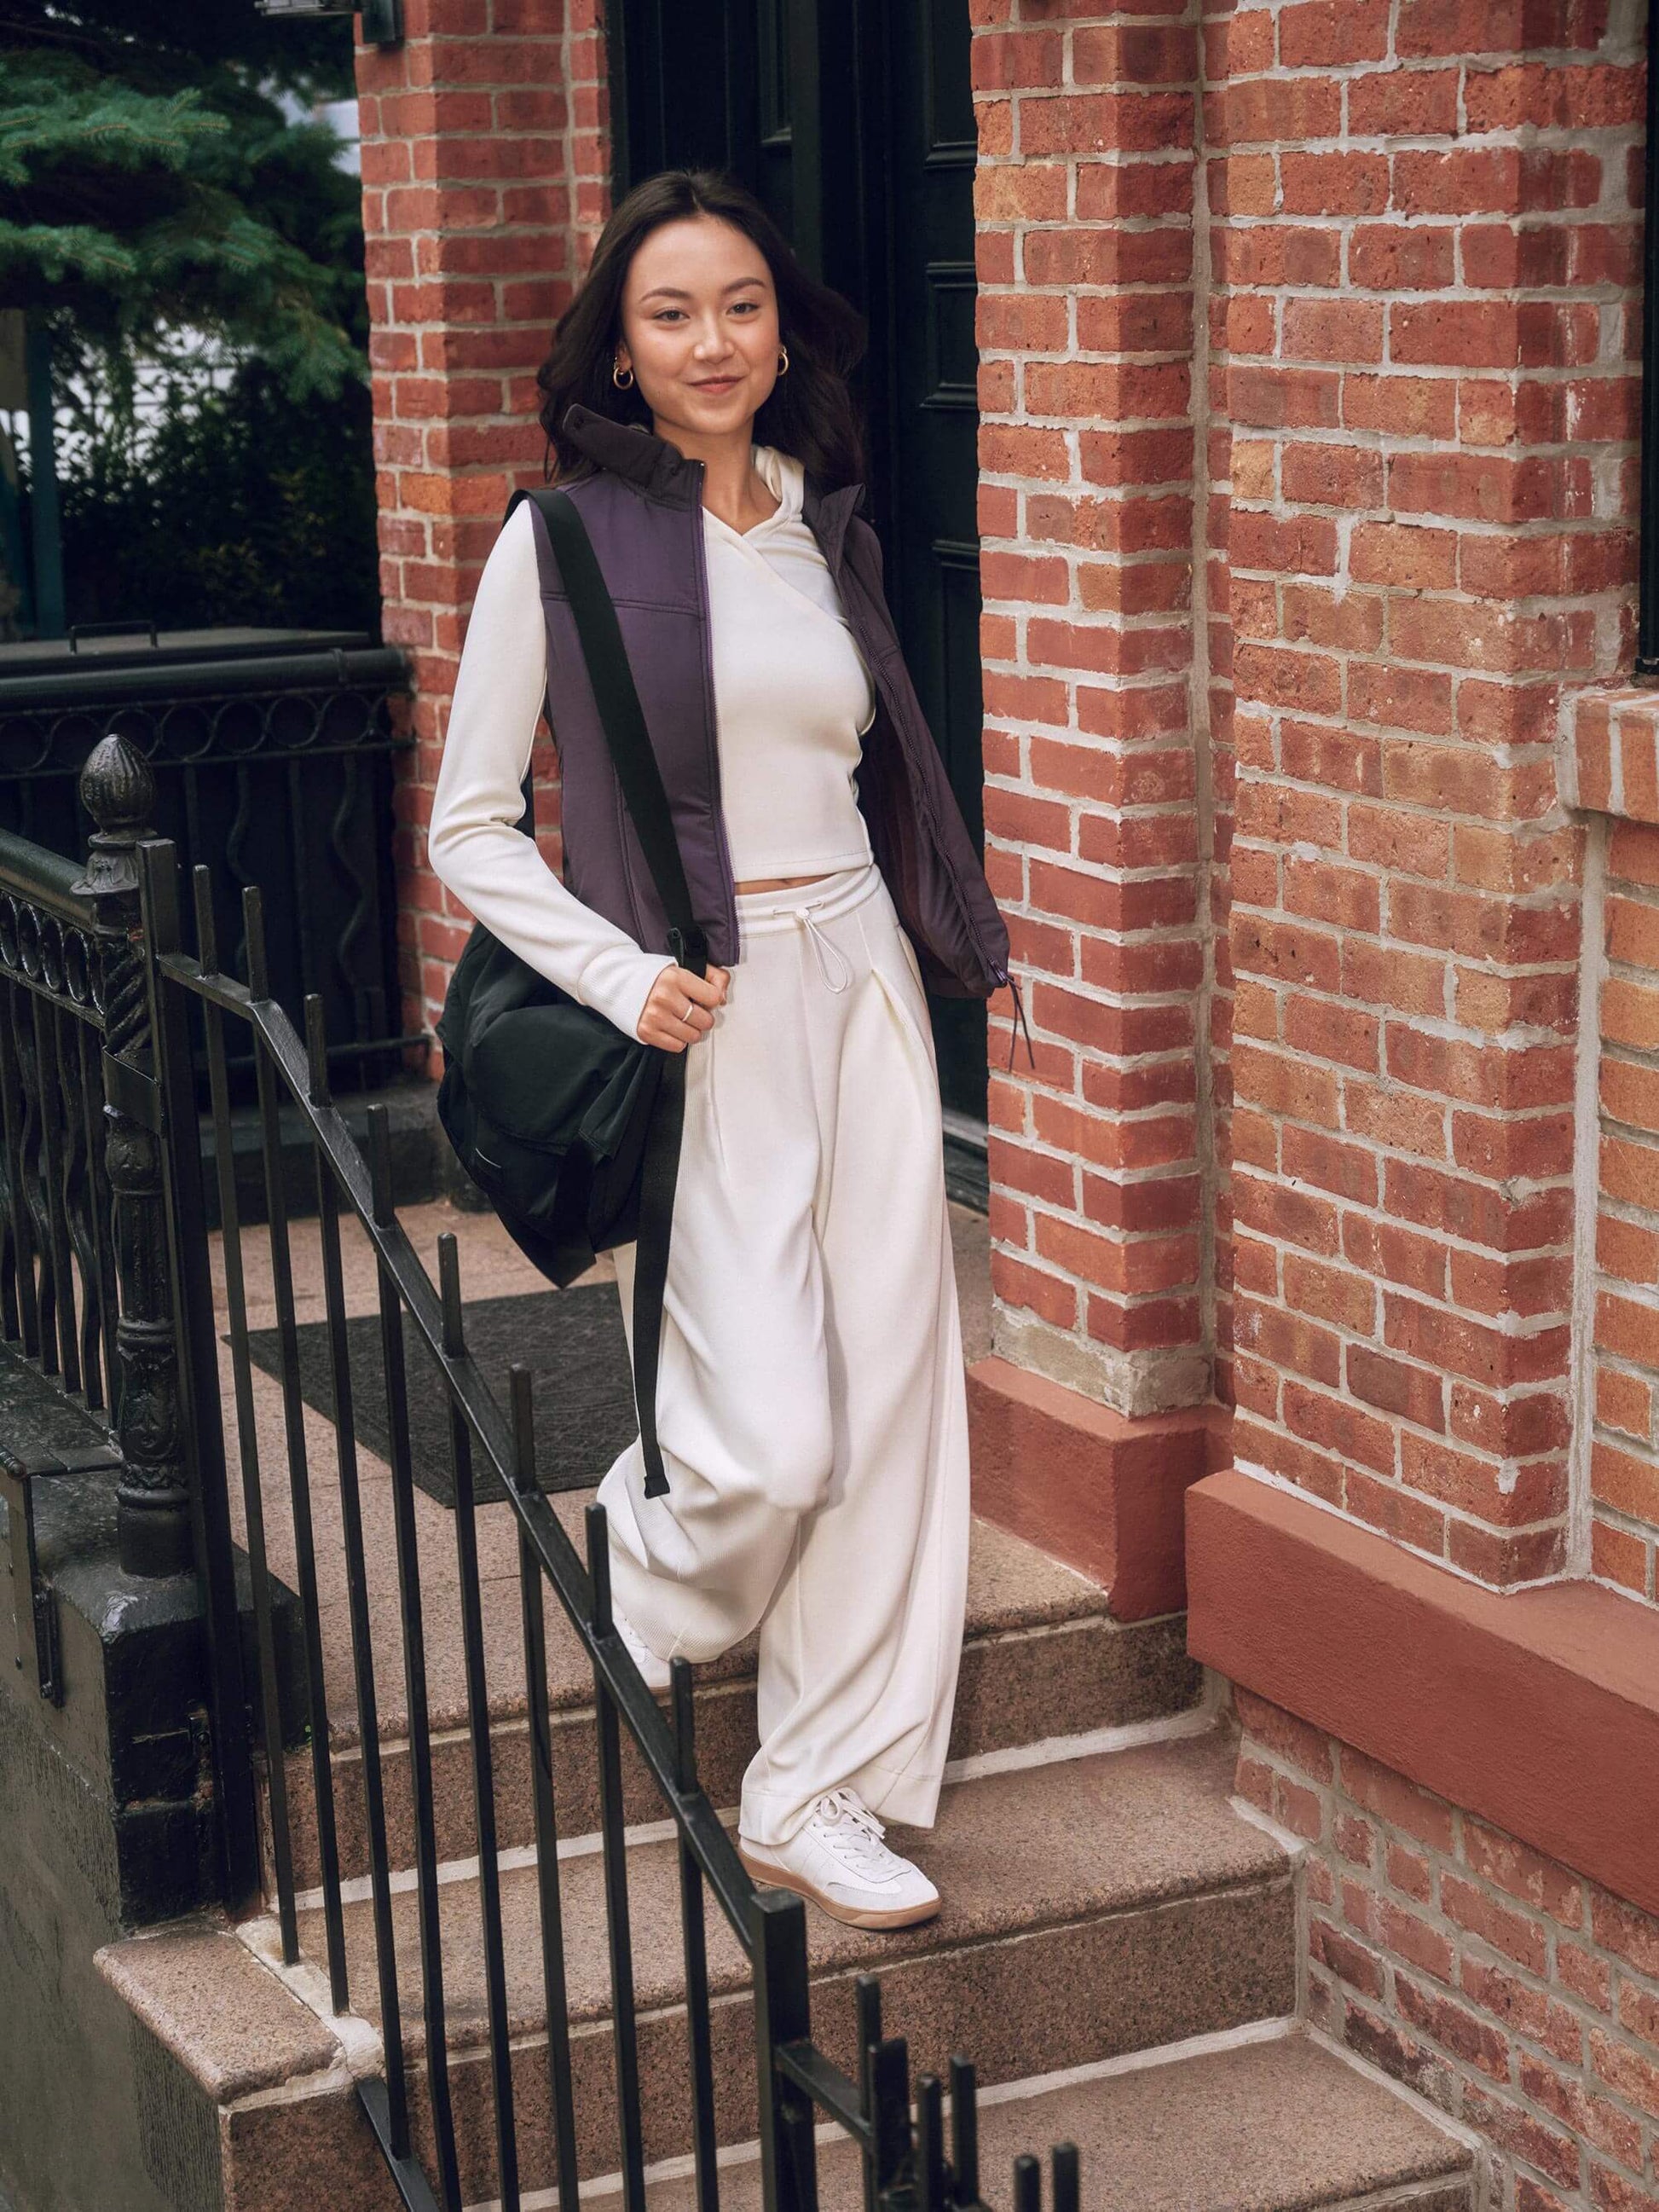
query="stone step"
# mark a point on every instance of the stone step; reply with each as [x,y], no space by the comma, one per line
[1284,2125]
[1093,1906]
[254,2099]
[1043,1658]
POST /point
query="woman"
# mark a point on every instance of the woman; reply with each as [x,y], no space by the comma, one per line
[810,1403]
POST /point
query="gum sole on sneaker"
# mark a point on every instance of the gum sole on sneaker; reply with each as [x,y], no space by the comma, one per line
[772,1877]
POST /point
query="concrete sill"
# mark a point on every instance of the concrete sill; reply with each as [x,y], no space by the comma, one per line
[1539,1709]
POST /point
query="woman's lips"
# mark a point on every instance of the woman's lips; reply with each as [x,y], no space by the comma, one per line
[717,384]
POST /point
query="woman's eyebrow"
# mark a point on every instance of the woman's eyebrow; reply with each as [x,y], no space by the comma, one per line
[673,291]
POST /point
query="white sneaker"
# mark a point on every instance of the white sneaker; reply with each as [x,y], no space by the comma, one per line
[655,1670]
[837,1858]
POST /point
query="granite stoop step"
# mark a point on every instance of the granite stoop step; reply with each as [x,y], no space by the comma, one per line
[1103,1898]
[1093,1906]
[1279,2125]
[1042,1657]
[1271,2121]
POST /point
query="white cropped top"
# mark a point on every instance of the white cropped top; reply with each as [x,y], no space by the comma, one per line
[793,699]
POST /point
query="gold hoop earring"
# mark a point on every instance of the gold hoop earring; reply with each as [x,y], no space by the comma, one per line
[783,362]
[616,377]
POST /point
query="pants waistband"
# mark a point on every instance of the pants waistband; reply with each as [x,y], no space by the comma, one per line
[822,900]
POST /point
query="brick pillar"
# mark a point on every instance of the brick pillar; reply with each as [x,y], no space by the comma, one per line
[1096,808]
[485,179]
[1426,234]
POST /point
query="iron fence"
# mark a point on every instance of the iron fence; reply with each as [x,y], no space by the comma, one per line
[434,2152]
[271,758]
[57,1256]
[107,1295]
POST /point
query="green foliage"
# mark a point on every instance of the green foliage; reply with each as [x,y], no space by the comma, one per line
[152,183]
[245,505]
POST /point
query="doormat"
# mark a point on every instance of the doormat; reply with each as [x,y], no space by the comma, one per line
[573,1343]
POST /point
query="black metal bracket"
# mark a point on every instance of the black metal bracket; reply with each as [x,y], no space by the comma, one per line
[383,19]
[383,22]
[36,1608]
[129,1090]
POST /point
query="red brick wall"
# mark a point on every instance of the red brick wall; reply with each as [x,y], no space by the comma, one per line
[1624,1448]
[484,182]
[1425,238]
[1099,825]
[1308,388]
[1520,1998]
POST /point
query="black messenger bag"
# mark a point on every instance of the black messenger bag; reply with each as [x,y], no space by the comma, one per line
[570,1128]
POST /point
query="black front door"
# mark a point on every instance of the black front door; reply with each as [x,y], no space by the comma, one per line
[854,124]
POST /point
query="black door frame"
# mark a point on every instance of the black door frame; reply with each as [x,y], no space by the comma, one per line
[790,143]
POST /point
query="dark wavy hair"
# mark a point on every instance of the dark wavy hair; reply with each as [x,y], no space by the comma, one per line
[809,412]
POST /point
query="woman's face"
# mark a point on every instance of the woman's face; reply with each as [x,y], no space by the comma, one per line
[699,326]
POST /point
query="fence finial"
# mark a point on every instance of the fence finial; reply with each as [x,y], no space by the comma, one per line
[118,792]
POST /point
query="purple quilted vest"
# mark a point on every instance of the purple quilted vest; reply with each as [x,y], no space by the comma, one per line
[643,508]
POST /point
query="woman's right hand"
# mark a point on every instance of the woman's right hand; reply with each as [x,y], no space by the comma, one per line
[681,1007]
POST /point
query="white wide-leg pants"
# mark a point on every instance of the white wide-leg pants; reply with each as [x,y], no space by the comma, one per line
[812,1407]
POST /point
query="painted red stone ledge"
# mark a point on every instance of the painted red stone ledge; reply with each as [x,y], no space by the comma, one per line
[1090,1487]
[1538,1710]
[1610,752]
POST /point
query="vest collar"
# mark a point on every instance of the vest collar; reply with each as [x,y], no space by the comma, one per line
[662,472]
[630,450]
[827,516]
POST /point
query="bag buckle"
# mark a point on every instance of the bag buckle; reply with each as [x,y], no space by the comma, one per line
[690,948]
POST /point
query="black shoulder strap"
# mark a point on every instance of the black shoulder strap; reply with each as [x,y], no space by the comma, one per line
[607,659]
[608,670]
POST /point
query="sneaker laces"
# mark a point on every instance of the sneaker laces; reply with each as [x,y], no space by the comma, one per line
[846,1825]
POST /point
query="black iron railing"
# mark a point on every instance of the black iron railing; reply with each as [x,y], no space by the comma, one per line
[86,1299]
[56,1254]
[271,757]
[413,2106]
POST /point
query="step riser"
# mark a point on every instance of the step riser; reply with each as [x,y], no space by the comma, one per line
[1036,2004]
[1013,1690]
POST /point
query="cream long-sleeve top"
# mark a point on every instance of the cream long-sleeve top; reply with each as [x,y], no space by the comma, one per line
[792,701]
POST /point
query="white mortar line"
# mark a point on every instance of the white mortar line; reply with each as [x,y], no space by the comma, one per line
[1052,1751]
[358,1888]
[1586,1183]
[1294,1847]
[1055,1750]
[362,2050]
[1279,2029]
[298,2089]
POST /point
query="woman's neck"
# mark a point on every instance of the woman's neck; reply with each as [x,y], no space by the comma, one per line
[732,487]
